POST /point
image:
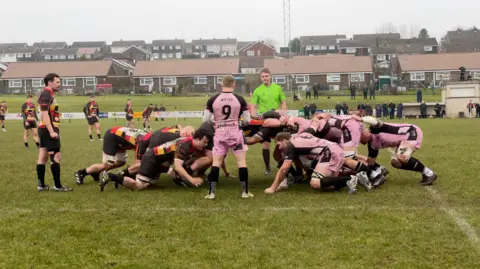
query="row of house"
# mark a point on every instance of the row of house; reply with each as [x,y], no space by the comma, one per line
[135,50]
[204,75]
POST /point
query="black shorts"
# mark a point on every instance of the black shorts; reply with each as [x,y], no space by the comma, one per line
[46,141]
[31,125]
[2,117]
[152,166]
[129,118]
[110,143]
[92,120]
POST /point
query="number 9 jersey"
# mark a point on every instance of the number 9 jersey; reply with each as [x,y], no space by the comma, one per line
[227,109]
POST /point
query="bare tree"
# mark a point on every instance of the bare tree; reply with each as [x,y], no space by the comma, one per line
[403,30]
[414,30]
[385,28]
[270,42]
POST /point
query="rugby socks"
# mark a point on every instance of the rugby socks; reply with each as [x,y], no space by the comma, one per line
[26,144]
[413,165]
[266,158]
[148,126]
[213,179]
[55,168]
[243,175]
[91,138]
[99,136]
[337,182]
[126,173]
[144,126]
[41,175]
[38,144]
[116,178]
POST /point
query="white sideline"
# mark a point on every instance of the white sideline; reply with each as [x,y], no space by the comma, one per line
[461,222]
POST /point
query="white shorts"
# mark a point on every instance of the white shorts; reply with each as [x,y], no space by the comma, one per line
[350,153]
[119,157]
[145,180]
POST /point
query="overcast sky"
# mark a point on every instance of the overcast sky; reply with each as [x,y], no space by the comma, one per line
[88,20]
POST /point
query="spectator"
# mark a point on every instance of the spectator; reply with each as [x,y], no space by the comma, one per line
[391,109]
[345,108]
[477,110]
[313,109]
[438,110]
[368,110]
[378,110]
[306,111]
[155,109]
[385,109]
[162,109]
[308,94]
[423,110]
[470,107]
[400,110]
[419,96]
[462,73]
[316,88]
[365,92]
[353,91]
[372,91]
[338,108]
[360,106]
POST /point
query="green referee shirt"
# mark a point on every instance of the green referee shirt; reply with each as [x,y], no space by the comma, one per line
[268,97]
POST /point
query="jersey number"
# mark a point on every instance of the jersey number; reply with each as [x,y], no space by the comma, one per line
[226,110]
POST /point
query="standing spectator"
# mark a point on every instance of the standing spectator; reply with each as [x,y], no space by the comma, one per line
[462,73]
[316,88]
[338,108]
[423,110]
[368,110]
[470,107]
[372,91]
[391,108]
[155,109]
[477,110]
[378,110]
[438,110]
[353,90]
[345,108]
[306,111]
[400,110]
[313,109]
[365,92]
[385,109]
[419,96]
[308,94]
[162,109]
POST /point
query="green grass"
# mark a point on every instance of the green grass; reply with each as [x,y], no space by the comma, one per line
[116,103]
[398,226]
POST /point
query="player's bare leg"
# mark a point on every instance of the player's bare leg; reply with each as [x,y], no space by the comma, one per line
[3,125]
[403,160]
[35,136]
[97,129]
[323,178]
[214,175]
[95,170]
[90,132]
[266,157]
[25,138]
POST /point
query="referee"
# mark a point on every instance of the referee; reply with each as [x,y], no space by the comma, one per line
[266,97]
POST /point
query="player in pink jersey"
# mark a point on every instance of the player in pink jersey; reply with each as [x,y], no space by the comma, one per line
[227,108]
[406,138]
[330,161]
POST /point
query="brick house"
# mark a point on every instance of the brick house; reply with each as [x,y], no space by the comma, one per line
[167,49]
[205,48]
[257,48]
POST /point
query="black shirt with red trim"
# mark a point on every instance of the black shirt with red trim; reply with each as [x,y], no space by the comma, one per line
[47,102]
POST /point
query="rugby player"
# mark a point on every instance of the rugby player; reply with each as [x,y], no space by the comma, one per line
[406,138]
[147,112]
[30,118]
[91,111]
[49,135]
[227,108]
[328,154]
[117,141]
[158,160]
[3,114]
[268,96]
[129,114]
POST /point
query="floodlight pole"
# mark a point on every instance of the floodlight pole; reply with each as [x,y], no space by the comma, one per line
[287,37]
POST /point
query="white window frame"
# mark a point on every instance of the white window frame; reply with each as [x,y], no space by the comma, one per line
[163,47]
[88,56]
[279,79]
[88,81]
[147,81]
[170,55]
[55,57]
[316,47]
[351,50]
[15,83]
[331,47]
[63,57]
[308,47]
[445,75]
[169,81]
[19,55]
[71,57]
[200,80]
[171,47]
[357,77]
[475,75]
[428,48]
[250,53]
[66,82]
[156,56]
[47,57]
[334,78]
[178,55]
[164,56]
[155,47]
[302,79]
[323,47]
[219,80]
[28,55]
[381,57]
[37,83]
[178,47]
[417,76]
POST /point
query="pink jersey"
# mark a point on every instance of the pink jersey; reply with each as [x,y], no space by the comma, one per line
[299,124]
[391,135]
[227,108]
[308,146]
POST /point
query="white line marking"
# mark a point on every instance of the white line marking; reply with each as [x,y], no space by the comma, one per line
[461,222]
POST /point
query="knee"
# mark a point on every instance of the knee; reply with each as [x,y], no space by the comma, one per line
[396,163]
[315,184]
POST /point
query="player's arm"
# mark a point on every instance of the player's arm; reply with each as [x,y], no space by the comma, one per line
[289,152]
[180,154]
[272,123]
[254,103]
[44,102]
[35,113]
[86,111]
[283,100]
[98,111]
[245,118]
[24,112]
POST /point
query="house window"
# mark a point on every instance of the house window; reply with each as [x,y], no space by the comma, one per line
[331,47]
[47,57]
[171,47]
[88,56]
[351,50]
[333,78]
[357,77]
[163,47]
[37,83]
[302,79]
[169,81]
[258,53]
[219,80]
[316,47]
[178,55]
[68,82]
[55,57]
[19,55]
[323,47]
[15,83]
[146,81]
[279,79]
[420,76]
[442,76]
[155,47]
[90,81]
[63,57]
[28,55]
[200,80]
[178,47]
[71,56]
[250,53]
[164,55]
[381,57]
[309,47]
[476,75]
[428,48]
[11,55]
[170,55]
[155,56]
